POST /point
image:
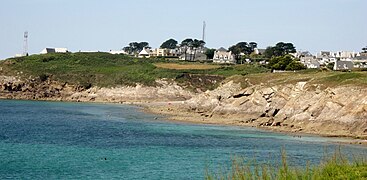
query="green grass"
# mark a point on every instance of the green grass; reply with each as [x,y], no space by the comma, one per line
[336,166]
[107,70]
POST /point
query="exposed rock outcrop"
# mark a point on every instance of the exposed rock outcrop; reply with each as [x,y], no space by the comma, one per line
[300,107]
[36,89]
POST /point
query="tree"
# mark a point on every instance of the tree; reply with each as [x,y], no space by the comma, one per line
[282,49]
[197,44]
[186,45]
[169,44]
[210,53]
[269,52]
[294,66]
[135,47]
[253,45]
[243,47]
[286,62]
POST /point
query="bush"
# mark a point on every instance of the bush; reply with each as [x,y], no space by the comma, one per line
[295,65]
[336,166]
[286,62]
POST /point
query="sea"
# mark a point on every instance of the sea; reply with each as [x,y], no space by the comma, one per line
[62,140]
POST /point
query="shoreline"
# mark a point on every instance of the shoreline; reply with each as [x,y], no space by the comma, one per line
[193,118]
[157,108]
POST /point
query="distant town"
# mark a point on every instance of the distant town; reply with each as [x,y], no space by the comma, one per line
[194,50]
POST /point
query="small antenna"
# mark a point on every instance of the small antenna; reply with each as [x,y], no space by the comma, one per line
[25,45]
[204,28]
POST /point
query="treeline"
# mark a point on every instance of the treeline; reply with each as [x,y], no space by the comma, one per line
[275,57]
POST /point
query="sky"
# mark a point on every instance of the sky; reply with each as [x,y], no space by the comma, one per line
[92,25]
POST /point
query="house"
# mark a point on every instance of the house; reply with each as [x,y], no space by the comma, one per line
[345,54]
[310,62]
[117,52]
[54,50]
[300,54]
[325,57]
[360,61]
[343,65]
[198,56]
[145,53]
[223,56]
[159,52]
[259,51]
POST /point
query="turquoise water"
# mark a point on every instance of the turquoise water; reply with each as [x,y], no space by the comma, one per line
[52,140]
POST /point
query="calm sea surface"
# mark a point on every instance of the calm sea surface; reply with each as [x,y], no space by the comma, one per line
[52,140]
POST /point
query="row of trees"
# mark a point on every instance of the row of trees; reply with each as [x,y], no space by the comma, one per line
[280,49]
[280,58]
[136,47]
[188,44]
[243,48]
[277,55]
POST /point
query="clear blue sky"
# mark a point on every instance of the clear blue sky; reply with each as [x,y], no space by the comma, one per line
[312,25]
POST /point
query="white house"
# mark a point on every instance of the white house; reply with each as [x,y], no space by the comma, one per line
[159,52]
[223,56]
[54,50]
[145,53]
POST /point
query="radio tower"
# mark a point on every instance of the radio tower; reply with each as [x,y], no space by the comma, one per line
[25,45]
[204,28]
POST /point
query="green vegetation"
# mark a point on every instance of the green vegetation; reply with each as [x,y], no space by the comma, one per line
[337,166]
[286,62]
[320,78]
[136,47]
[243,47]
[280,49]
[107,70]
[169,44]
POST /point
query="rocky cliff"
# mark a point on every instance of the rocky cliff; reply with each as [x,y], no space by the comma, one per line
[36,89]
[298,107]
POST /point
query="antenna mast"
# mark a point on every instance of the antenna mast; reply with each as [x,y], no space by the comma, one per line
[204,28]
[25,45]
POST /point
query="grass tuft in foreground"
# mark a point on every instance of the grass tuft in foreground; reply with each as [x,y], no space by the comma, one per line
[336,166]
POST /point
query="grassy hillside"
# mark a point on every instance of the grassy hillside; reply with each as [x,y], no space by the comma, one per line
[107,70]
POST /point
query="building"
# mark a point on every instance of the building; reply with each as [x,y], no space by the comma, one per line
[310,62]
[198,56]
[145,53]
[223,56]
[343,65]
[159,52]
[360,61]
[54,50]
[259,51]
[345,55]
[300,54]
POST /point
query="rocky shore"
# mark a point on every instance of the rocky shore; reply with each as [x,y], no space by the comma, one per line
[298,107]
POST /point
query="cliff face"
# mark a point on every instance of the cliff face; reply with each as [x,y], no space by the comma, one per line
[299,107]
[296,107]
[35,89]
